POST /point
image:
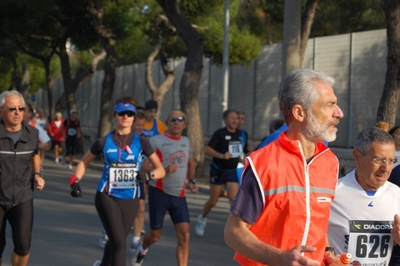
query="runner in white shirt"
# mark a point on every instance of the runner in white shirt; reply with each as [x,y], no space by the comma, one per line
[364,217]
[44,139]
[168,193]
[41,119]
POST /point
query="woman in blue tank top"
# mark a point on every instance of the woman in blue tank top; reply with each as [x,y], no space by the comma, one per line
[117,197]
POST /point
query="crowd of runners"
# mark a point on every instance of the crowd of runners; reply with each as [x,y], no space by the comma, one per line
[288,206]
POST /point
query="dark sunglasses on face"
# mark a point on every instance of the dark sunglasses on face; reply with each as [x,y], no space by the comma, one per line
[13,109]
[179,118]
[128,113]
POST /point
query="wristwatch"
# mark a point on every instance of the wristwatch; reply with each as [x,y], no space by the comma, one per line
[38,173]
[192,180]
[330,249]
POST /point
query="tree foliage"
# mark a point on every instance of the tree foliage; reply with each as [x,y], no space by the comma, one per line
[206,18]
[244,46]
[264,18]
[348,16]
[58,23]
[14,27]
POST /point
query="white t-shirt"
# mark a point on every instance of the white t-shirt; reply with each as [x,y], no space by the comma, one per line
[43,137]
[360,224]
[172,151]
[41,122]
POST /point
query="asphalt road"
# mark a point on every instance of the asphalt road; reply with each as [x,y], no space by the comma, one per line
[66,229]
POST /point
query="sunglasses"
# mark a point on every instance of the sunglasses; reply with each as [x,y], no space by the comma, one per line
[13,109]
[383,161]
[128,113]
[179,118]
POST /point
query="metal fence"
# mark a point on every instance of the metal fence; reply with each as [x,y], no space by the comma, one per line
[357,61]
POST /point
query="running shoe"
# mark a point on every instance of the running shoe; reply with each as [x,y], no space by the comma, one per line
[70,167]
[103,238]
[97,263]
[57,161]
[201,223]
[138,257]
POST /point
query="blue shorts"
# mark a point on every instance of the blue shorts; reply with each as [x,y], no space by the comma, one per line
[221,176]
[160,203]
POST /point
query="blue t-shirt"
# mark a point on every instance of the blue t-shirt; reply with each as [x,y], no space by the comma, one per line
[272,136]
[275,135]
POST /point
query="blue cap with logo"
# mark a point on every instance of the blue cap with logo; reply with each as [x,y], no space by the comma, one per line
[122,107]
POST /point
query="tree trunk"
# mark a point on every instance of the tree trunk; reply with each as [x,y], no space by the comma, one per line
[189,86]
[25,82]
[391,91]
[306,24]
[49,87]
[68,96]
[16,72]
[158,93]
[106,105]
[83,75]
[291,36]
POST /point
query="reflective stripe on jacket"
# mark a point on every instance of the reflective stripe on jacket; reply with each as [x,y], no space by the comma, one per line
[297,196]
[16,171]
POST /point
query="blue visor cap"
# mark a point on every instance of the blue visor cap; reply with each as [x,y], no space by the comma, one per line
[122,107]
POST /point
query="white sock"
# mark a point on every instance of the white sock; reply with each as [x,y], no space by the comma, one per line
[135,239]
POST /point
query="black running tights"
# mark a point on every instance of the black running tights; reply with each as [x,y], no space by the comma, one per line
[117,216]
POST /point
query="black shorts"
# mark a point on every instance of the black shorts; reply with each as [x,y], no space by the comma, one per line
[56,142]
[221,176]
[160,203]
[20,218]
[70,146]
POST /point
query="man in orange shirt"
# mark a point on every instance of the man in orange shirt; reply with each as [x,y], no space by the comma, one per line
[280,214]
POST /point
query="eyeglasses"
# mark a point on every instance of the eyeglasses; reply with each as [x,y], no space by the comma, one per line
[13,109]
[179,118]
[128,113]
[383,161]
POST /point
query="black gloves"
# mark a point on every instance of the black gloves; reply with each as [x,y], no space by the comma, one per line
[144,177]
[76,190]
